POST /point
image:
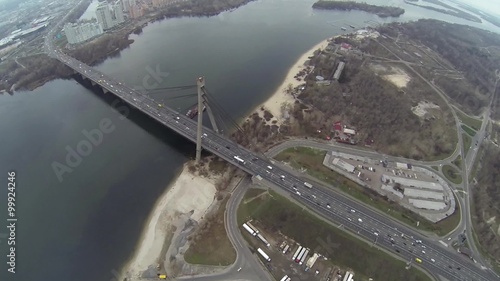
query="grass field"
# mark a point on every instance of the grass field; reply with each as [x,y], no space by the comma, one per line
[469,121]
[458,162]
[211,246]
[312,160]
[452,174]
[468,130]
[435,168]
[467,142]
[278,214]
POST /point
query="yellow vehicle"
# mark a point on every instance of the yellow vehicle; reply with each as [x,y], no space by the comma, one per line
[162,276]
[418,260]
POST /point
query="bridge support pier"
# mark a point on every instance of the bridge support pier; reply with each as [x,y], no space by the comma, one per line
[200,83]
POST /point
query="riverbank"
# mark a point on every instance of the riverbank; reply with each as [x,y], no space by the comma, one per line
[184,197]
[189,197]
[282,96]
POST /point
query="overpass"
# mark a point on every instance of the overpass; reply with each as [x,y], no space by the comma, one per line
[366,222]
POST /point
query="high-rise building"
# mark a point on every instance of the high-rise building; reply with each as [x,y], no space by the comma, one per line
[103,14]
[77,33]
[117,12]
[109,15]
[125,5]
[136,11]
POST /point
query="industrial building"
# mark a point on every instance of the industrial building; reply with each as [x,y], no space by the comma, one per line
[412,182]
[338,72]
[77,33]
[344,165]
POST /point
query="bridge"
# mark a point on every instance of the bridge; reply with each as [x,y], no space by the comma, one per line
[367,223]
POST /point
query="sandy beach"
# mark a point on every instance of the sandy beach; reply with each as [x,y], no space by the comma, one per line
[274,103]
[189,194]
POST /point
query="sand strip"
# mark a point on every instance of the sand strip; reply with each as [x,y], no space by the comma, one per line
[188,193]
[280,96]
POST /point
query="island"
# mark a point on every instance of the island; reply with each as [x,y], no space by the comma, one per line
[447,9]
[381,11]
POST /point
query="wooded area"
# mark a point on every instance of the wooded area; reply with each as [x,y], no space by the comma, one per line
[486,195]
[381,11]
[464,47]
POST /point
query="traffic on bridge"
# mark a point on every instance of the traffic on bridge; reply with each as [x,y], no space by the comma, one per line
[367,223]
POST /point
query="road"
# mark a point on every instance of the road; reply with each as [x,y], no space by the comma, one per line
[337,208]
[247,265]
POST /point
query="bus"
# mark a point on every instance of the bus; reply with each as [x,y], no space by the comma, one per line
[308,185]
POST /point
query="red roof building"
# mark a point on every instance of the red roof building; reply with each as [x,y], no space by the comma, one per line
[337,126]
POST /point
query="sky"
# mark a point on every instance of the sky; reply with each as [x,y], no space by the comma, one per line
[491,6]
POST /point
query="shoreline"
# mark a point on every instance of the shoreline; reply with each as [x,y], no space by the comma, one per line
[183,190]
[274,103]
[182,198]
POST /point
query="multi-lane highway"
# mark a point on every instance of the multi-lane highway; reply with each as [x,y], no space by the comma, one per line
[339,209]
[369,224]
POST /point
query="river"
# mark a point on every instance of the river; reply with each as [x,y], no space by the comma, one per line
[84,224]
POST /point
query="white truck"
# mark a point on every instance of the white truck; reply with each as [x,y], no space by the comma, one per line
[241,161]
[301,262]
[301,254]
[263,240]
[263,254]
[308,185]
[296,254]
[249,229]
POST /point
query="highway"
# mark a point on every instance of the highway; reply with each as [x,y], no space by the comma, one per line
[337,208]
[332,206]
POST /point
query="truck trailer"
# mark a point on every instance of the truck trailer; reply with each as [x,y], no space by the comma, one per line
[304,257]
[296,254]
[263,240]
[297,260]
[263,254]
[308,185]
[253,228]
[250,230]
[286,249]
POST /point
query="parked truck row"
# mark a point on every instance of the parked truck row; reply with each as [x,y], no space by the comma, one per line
[255,232]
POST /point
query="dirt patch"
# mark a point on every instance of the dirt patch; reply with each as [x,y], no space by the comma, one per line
[422,109]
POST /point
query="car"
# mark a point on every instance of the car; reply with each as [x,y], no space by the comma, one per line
[328,205]
[298,193]
[349,219]
[423,252]
[177,118]
[353,211]
[433,260]
[282,177]
[313,196]
[269,167]
[360,220]
[239,269]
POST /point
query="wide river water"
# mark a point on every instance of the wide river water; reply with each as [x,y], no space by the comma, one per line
[86,224]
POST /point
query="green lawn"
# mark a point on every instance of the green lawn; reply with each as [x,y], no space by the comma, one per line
[277,214]
[211,246]
[458,162]
[312,160]
[467,142]
[469,121]
[435,168]
[452,174]
[468,130]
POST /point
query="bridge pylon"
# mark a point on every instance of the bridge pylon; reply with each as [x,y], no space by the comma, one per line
[203,104]
[200,83]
